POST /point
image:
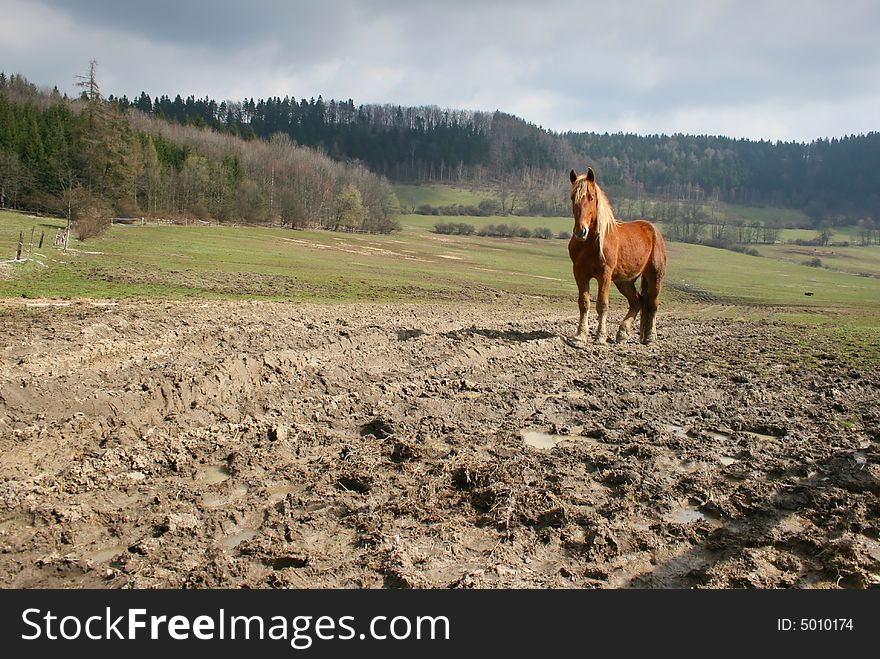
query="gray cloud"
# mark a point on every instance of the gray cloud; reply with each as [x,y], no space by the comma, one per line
[777,70]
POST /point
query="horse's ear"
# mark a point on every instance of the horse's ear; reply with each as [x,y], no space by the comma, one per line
[591,177]
[572,176]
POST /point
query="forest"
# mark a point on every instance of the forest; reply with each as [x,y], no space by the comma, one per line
[87,159]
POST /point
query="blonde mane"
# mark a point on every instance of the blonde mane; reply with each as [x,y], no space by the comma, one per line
[605,220]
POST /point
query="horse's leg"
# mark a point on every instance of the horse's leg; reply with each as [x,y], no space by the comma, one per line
[651,286]
[602,306]
[628,289]
[583,283]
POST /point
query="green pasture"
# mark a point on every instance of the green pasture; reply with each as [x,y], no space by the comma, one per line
[838,235]
[766,215]
[413,196]
[770,215]
[221,261]
[765,281]
[863,261]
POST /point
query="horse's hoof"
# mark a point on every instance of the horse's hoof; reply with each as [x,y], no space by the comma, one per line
[621,337]
[649,340]
[601,341]
[575,341]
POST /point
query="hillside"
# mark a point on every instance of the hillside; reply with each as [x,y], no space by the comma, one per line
[831,180]
[88,160]
[328,164]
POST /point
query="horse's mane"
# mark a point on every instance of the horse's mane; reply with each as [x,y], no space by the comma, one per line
[605,220]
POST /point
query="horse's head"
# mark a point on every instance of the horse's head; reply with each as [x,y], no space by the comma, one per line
[584,202]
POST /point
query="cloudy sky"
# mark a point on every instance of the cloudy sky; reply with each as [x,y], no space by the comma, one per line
[776,69]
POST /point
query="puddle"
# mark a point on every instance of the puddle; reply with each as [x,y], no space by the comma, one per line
[215,500]
[280,490]
[793,524]
[542,440]
[761,437]
[719,435]
[546,441]
[681,431]
[668,461]
[688,514]
[104,555]
[232,541]
[678,431]
[211,474]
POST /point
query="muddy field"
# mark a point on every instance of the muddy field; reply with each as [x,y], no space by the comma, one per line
[227,444]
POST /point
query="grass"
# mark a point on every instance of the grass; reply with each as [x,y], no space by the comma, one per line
[853,337]
[864,261]
[767,281]
[413,196]
[766,215]
[179,261]
[274,263]
[839,235]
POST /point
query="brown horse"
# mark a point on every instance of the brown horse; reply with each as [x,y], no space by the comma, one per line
[604,249]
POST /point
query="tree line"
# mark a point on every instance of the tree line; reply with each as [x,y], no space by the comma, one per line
[90,160]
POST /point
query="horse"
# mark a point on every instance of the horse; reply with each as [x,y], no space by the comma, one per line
[607,250]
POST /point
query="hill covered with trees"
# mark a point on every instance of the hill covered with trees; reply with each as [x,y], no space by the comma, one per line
[88,159]
[328,163]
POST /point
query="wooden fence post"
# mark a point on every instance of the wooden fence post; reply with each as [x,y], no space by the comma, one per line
[42,235]
[20,245]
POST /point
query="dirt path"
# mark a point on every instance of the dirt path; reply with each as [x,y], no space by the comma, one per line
[230,444]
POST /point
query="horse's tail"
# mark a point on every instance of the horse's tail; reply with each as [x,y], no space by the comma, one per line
[652,283]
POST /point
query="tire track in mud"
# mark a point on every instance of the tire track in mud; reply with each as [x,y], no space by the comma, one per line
[271,445]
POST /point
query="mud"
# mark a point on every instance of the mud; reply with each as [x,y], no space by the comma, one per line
[230,444]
